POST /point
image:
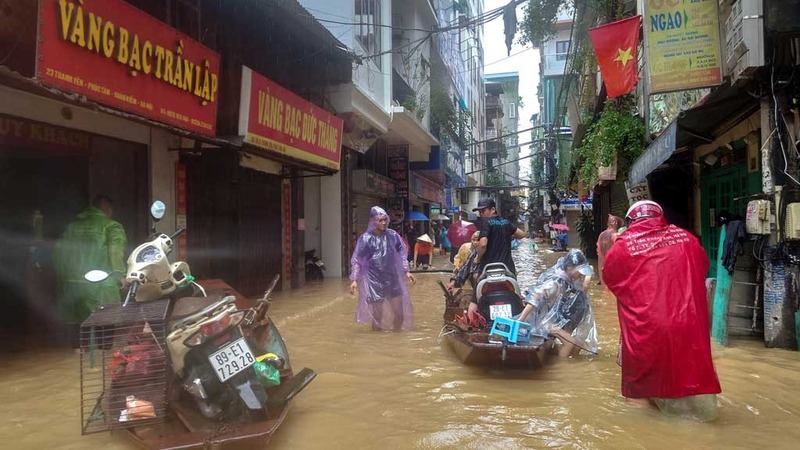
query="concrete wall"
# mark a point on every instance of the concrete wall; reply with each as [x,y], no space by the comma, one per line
[312,206]
[331,223]
[551,65]
[29,106]
[162,176]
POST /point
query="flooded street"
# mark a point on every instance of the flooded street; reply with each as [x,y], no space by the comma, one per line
[408,390]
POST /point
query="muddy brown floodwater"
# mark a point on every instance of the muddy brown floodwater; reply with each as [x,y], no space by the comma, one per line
[408,390]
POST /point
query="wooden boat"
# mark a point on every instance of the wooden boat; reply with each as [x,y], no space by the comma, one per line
[187,429]
[474,347]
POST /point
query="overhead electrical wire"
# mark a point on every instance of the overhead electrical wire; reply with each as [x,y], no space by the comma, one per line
[475,21]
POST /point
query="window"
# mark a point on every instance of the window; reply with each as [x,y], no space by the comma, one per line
[562,48]
[368,28]
[512,110]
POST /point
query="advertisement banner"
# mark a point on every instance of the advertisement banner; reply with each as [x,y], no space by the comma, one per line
[14,131]
[119,56]
[427,189]
[368,182]
[682,44]
[273,118]
[397,160]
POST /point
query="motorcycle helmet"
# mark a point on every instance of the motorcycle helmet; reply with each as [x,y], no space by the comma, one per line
[644,209]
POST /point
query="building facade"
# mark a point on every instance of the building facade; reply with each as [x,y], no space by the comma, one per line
[147,104]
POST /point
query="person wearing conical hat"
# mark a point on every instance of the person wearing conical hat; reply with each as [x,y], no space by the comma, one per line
[423,252]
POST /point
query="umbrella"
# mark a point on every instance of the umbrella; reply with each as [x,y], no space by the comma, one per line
[440,217]
[415,215]
[559,226]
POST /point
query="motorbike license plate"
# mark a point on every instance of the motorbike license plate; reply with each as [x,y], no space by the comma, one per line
[500,311]
[231,359]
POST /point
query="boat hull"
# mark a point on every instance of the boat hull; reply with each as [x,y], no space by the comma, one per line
[174,434]
[474,349]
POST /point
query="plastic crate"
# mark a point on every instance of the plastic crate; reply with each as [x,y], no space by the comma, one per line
[123,353]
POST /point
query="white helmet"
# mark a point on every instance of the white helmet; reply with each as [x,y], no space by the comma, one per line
[644,209]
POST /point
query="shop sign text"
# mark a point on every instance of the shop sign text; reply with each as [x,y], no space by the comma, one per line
[274,118]
[397,160]
[115,54]
[24,132]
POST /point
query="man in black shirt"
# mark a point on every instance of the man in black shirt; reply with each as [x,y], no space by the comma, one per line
[496,235]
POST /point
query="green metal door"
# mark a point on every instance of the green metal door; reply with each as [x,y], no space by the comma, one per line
[717,192]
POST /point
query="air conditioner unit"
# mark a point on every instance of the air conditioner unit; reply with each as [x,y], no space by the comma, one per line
[744,38]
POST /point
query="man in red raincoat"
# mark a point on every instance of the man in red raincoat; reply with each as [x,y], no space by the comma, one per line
[657,272]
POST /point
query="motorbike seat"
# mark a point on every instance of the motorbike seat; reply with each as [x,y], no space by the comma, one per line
[195,307]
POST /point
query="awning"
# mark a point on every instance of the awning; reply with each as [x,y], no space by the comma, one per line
[694,126]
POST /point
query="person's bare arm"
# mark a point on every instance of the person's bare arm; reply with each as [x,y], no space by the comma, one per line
[481,249]
[519,233]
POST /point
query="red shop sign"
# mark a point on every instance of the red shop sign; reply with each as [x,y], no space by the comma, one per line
[273,118]
[115,54]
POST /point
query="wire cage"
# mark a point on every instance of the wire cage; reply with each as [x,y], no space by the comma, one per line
[123,367]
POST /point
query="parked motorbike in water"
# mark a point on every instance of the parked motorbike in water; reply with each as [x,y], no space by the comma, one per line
[314,266]
[226,364]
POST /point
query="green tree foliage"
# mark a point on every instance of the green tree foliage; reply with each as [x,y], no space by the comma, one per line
[618,134]
[446,116]
[539,20]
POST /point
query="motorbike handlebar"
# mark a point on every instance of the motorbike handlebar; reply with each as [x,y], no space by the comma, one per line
[131,292]
[177,233]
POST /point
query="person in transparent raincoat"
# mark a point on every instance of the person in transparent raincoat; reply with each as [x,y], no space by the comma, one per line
[558,305]
[379,270]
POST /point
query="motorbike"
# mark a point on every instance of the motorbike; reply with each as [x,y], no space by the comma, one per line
[217,354]
[497,292]
[314,266]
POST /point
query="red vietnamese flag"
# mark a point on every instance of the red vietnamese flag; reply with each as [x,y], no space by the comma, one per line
[616,47]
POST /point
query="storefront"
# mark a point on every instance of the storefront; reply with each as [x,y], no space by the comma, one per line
[76,122]
[285,140]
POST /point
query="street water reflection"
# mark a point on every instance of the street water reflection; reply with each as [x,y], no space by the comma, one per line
[407,390]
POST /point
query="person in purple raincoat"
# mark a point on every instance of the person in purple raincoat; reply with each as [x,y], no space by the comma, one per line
[379,270]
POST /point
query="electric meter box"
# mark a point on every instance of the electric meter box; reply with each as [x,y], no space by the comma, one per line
[757,218]
[792,229]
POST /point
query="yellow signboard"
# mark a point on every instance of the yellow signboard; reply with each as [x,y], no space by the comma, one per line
[682,44]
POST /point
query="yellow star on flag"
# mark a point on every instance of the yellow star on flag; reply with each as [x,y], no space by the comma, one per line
[624,56]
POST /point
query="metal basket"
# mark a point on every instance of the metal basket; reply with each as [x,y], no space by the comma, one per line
[123,353]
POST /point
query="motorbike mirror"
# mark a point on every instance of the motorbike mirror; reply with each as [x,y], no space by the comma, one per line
[157,210]
[96,275]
